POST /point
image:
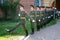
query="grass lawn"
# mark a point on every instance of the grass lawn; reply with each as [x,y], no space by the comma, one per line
[54,21]
[19,31]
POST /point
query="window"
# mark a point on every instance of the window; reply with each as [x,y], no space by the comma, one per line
[37,3]
[40,2]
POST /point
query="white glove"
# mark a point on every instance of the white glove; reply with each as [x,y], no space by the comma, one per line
[39,20]
[43,18]
[49,17]
[29,19]
[33,20]
[19,15]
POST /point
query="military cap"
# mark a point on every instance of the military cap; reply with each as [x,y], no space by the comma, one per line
[42,6]
[32,6]
[21,5]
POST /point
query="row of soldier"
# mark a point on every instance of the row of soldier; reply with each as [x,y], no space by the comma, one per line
[41,16]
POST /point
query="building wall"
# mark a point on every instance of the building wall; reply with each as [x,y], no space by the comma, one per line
[27,4]
[47,2]
[57,4]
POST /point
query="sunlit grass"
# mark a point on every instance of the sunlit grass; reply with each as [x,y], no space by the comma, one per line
[17,32]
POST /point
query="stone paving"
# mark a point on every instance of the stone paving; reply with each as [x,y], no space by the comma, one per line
[49,33]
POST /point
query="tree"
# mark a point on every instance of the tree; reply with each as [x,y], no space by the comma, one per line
[9,6]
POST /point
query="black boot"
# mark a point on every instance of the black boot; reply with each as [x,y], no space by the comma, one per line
[26,33]
[32,31]
[38,27]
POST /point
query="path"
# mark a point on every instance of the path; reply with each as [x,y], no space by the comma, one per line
[50,33]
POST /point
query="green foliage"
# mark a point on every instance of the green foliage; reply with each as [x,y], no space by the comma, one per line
[19,31]
[10,8]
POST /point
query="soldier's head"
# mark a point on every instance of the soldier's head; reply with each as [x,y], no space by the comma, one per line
[31,7]
[42,8]
[21,7]
[48,8]
[37,8]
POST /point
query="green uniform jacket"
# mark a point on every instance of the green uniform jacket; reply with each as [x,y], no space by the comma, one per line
[23,16]
[37,15]
[32,15]
[42,14]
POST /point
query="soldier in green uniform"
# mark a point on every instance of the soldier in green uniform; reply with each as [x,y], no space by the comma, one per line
[48,14]
[23,15]
[52,13]
[38,20]
[32,17]
[43,15]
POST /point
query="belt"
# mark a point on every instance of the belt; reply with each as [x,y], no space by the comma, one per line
[32,15]
[22,17]
[41,14]
[37,15]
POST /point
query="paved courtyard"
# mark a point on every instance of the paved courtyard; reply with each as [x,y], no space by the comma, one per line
[49,33]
